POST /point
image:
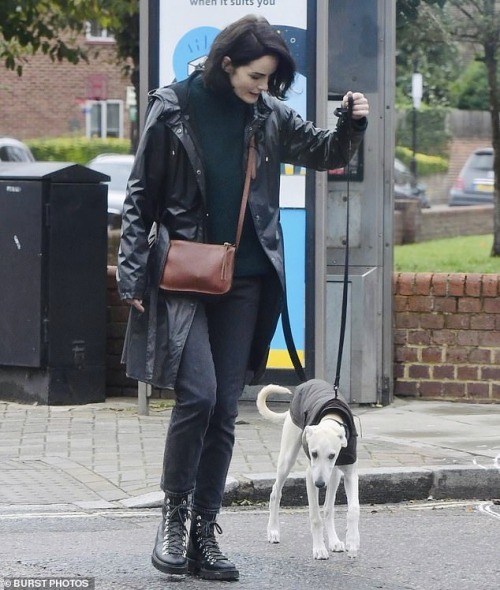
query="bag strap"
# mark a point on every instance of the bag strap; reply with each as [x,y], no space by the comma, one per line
[250,173]
[182,90]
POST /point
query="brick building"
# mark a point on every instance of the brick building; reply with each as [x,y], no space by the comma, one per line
[52,99]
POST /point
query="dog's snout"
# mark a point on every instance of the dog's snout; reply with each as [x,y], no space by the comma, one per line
[319,484]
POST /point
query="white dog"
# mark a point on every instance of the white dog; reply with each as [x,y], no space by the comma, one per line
[324,425]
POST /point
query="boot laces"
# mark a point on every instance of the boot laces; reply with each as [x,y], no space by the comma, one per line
[208,543]
[175,532]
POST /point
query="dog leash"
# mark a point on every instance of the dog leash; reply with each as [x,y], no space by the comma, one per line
[343,317]
[290,344]
[285,318]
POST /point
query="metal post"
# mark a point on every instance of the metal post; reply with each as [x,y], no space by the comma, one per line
[321,193]
[143,394]
[416,93]
[143,62]
[144,390]
[387,16]
[413,162]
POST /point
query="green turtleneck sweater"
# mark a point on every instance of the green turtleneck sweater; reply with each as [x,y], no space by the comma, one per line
[219,123]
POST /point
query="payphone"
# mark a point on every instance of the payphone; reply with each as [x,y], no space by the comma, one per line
[339,45]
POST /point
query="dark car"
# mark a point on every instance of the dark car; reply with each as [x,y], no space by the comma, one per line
[12,150]
[405,188]
[475,183]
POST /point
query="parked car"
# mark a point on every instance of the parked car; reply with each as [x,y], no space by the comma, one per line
[474,185]
[118,168]
[12,150]
[405,188]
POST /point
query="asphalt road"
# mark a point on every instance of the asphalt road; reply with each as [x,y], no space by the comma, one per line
[418,546]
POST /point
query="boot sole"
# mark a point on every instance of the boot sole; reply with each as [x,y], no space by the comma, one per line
[173,570]
[195,569]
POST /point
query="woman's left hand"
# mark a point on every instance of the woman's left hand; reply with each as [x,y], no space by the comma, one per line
[360,107]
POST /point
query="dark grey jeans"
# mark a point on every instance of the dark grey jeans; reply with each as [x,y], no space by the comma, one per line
[210,381]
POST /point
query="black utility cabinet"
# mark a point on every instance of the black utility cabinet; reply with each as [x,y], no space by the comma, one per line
[53,256]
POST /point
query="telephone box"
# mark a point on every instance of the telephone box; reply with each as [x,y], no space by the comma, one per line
[338,45]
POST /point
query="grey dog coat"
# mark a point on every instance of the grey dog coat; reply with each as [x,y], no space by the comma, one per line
[314,399]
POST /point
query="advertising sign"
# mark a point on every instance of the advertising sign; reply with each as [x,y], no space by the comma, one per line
[186,31]
[188,27]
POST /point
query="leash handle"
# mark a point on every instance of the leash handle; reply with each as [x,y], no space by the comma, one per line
[343,320]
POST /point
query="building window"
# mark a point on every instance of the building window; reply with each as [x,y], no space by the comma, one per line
[97,33]
[104,118]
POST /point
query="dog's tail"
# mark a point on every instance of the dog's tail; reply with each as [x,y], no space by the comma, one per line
[264,411]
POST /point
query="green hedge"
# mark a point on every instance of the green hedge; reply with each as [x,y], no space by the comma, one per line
[80,150]
[425,164]
[75,149]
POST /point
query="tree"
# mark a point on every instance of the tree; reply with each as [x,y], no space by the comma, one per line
[121,17]
[477,22]
[34,26]
[423,45]
[55,28]
[470,91]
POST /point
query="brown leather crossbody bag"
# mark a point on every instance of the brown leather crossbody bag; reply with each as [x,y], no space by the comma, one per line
[196,267]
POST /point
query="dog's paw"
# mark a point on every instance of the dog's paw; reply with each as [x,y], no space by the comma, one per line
[352,548]
[320,552]
[352,543]
[273,536]
[337,546]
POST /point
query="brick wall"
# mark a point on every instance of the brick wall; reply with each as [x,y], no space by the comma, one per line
[117,383]
[447,336]
[445,221]
[47,100]
[413,224]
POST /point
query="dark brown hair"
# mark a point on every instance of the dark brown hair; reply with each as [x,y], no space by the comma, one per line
[244,41]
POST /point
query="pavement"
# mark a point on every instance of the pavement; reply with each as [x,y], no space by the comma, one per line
[106,455]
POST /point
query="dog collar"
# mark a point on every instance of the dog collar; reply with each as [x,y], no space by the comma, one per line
[341,424]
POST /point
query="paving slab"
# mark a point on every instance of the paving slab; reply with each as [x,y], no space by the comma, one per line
[108,455]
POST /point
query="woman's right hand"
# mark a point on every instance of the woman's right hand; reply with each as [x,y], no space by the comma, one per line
[137,303]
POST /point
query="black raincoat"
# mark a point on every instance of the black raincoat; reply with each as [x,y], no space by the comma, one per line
[167,184]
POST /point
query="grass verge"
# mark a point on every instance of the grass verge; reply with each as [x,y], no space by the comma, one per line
[468,254]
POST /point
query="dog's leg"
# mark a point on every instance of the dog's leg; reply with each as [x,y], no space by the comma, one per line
[351,485]
[334,543]
[319,548]
[291,437]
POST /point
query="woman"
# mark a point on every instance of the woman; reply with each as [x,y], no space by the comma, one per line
[188,176]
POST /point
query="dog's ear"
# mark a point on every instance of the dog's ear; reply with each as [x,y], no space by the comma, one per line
[343,439]
[306,433]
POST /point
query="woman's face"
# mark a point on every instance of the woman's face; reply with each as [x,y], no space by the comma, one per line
[250,80]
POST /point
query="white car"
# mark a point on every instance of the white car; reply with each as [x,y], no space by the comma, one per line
[118,168]
[13,150]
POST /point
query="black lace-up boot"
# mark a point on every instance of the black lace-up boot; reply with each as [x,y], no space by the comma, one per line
[169,553]
[205,558]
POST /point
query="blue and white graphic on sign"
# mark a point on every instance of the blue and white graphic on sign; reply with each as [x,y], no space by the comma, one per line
[192,50]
